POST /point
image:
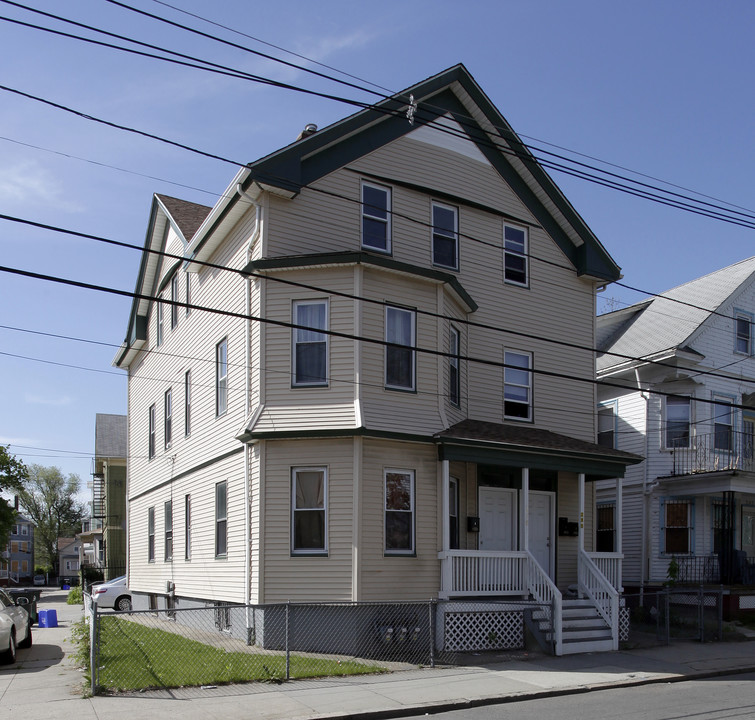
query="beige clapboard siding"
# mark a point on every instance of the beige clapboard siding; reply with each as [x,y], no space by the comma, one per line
[394,409]
[204,575]
[298,408]
[381,577]
[568,506]
[302,578]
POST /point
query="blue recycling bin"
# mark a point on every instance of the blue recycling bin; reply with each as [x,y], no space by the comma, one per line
[48,618]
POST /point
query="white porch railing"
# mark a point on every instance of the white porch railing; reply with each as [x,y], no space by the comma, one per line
[480,573]
[544,591]
[516,572]
[594,584]
[610,565]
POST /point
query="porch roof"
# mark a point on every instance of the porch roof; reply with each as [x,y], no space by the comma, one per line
[489,443]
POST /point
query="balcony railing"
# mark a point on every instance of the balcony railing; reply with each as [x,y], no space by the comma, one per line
[721,450]
[610,565]
[478,573]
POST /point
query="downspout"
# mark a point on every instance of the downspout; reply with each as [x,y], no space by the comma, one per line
[644,547]
[247,398]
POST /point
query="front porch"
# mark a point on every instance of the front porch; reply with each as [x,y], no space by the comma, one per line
[529,533]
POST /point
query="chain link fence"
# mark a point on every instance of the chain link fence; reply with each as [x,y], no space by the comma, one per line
[225,643]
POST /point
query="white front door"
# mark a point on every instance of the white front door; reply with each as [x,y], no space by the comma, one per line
[542,522]
[497,519]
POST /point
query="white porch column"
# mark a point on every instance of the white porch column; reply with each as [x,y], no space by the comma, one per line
[445,504]
[524,540]
[581,541]
[619,516]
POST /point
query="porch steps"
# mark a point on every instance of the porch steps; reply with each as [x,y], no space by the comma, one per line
[582,629]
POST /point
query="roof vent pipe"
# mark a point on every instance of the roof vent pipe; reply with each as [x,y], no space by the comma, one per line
[309,129]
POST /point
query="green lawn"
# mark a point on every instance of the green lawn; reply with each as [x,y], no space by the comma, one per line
[135,657]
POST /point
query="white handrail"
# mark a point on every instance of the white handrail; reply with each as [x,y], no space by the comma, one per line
[604,596]
[544,591]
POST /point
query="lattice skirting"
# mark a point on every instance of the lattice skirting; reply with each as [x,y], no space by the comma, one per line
[747,602]
[484,630]
[623,624]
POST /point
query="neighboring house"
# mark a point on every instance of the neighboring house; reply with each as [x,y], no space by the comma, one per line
[108,522]
[689,408]
[394,408]
[17,562]
[69,559]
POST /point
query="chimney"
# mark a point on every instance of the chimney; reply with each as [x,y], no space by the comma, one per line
[309,129]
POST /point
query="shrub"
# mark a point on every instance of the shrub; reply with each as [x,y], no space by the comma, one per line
[75,596]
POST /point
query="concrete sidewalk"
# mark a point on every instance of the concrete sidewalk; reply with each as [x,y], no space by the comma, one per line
[45,684]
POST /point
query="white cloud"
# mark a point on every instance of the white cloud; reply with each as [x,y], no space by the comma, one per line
[27,182]
[48,400]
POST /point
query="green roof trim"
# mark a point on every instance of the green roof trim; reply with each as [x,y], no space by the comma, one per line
[364,258]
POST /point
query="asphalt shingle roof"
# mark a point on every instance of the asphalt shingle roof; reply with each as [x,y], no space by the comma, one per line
[665,322]
[187,215]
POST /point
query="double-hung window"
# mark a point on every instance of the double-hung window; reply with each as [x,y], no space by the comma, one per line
[168,530]
[445,236]
[187,403]
[678,421]
[174,302]
[400,332]
[376,219]
[151,534]
[677,518]
[168,417]
[310,344]
[309,502]
[743,332]
[517,385]
[454,376]
[187,527]
[605,532]
[151,444]
[159,322]
[607,425]
[221,377]
[515,263]
[221,519]
[399,512]
[723,423]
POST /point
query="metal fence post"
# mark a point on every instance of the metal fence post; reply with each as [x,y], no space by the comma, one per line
[668,619]
[701,612]
[94,632]
[288,649]
[431,608]
[720,609]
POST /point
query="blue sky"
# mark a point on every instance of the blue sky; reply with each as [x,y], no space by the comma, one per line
[662,88]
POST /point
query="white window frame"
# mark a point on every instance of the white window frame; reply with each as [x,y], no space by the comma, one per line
[515,254]
[295,511]
[368,215]
[187,403]
[439,233]
[221,377]
[187,527]
[605,408]
[221,520]
[677,402]
[740,316]
[168,415]
[508,382]
[297,340]
[454,367]
[160,328]
[152,432]
[719,419]
[174,301]
[168,529]
[690,526]
[151,534]
[389,311]
[410,550]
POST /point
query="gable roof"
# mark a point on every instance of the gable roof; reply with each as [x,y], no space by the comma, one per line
[451,96]
[667,322]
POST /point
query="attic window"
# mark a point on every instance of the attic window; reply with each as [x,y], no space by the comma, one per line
[376,222]
[515,265]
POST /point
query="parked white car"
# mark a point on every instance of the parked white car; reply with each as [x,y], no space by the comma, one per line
[112,594]
[15,627]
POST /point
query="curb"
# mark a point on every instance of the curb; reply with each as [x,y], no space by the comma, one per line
[468,704]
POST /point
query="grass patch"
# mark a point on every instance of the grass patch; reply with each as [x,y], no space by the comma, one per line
[135,657]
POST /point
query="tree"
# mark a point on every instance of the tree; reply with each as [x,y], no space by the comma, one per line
[49,501]
[12,473]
